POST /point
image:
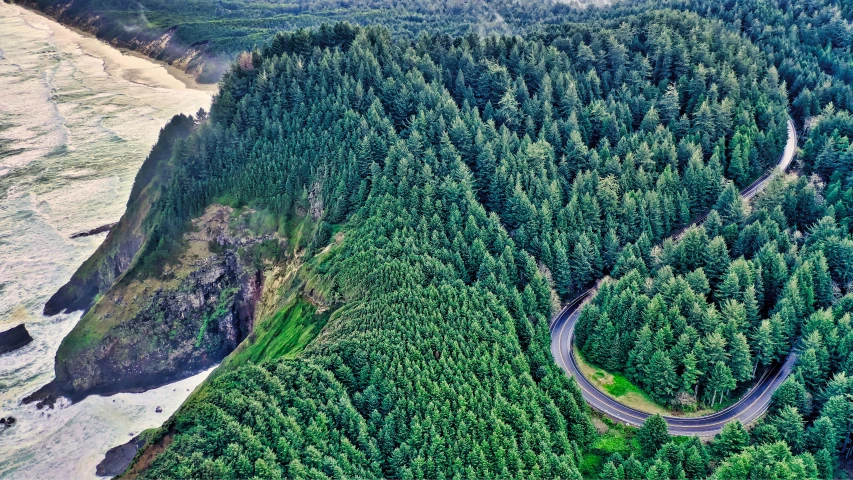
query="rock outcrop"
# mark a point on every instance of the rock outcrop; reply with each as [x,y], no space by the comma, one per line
[14,338]
[145,332]
[117,459]
[94,231]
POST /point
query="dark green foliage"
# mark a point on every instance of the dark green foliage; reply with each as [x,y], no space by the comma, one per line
[811,47]
[440,346]
[715,337]
[723,338]
[732,440]
[768,461]
[257,421]
[652,435]
[791,393]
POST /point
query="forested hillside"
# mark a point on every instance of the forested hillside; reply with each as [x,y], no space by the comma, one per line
[723,293]
[696,318]
[810,42]
[577,155]
[739,292]
[410,203]
[455,182]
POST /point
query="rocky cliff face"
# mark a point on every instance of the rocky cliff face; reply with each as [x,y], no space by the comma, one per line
[146,327]
[124,240]
[146,332]
[175,331]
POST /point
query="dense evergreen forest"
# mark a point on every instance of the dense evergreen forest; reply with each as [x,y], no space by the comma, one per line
[576,157]
[459,186]
[692,320]
[724,301]
[473,181]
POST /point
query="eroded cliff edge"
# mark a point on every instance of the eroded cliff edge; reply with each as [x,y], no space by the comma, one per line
[146,332]
[116,253]
[143,326]
[151,319]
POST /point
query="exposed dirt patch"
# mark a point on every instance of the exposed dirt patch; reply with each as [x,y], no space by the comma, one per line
[147,456]
[600,425]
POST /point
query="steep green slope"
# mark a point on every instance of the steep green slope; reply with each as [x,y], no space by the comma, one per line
[416,368]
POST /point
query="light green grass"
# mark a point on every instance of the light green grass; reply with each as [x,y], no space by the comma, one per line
[611,443]
[286,334]
[619,388]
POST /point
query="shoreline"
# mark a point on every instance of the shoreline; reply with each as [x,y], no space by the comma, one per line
[189,80]
[86,114]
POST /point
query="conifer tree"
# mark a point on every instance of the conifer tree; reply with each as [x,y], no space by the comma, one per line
[690,375]
[652,435]
[789,423]
[720,382]
[732,440]
[741,362]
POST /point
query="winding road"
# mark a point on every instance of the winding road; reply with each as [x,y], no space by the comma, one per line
[753,404]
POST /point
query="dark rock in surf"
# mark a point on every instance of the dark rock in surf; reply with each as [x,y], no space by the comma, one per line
[117,459]
[95,231]
[14,339]
[47,402]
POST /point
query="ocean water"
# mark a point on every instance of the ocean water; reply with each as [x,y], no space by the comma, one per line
[77,118]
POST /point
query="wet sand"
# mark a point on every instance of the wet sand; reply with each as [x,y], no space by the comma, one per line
[133,66]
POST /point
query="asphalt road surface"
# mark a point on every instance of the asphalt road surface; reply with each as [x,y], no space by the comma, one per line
[753,404]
